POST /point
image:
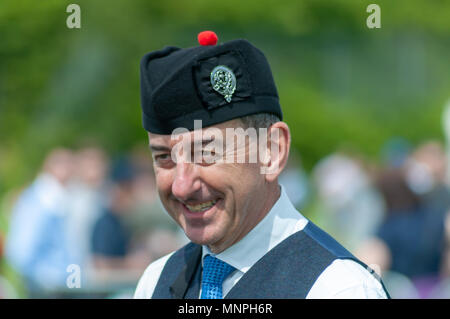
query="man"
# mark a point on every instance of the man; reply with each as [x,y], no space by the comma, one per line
[37,244]
[247,239]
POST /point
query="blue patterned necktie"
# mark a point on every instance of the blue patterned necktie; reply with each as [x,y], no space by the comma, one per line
[214,273]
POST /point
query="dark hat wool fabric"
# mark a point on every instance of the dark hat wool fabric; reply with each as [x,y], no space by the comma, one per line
[212,83]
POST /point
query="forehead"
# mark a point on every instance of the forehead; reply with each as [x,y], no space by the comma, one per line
[171,140]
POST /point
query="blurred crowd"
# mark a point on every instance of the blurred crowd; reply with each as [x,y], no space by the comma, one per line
[394,217]
[103,214]
[85,209]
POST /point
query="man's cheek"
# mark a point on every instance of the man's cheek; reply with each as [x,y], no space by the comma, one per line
[162,183]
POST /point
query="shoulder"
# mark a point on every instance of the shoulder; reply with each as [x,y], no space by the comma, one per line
[170,264]
[150,277]
[345,278]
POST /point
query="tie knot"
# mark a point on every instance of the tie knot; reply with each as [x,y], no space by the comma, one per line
[215,270]
[214,273]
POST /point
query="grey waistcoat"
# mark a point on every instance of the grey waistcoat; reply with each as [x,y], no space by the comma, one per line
[289,270]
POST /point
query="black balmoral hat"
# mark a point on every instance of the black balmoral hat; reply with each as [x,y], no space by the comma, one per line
[212,83]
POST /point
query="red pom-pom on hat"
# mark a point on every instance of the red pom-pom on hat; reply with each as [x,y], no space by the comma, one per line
[207,38]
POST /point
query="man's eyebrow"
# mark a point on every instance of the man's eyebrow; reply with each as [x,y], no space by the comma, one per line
[160,148]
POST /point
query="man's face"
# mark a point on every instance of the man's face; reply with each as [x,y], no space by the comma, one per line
[216,203]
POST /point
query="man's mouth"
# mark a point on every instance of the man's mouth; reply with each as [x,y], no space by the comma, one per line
[201,207]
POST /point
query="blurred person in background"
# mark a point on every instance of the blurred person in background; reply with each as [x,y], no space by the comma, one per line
[294,179]
[110,241]
[446,128]
[349,206]
[37,246]
[413,235]
[87,201]
[395,152]
[425,175]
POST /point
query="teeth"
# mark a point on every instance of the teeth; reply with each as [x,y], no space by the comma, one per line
[202,206]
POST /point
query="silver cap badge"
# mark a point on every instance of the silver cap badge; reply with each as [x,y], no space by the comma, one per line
[223,81]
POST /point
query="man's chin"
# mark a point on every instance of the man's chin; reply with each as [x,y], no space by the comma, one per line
[200,236]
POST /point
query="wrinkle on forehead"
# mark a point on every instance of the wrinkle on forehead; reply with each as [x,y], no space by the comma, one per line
[170,141]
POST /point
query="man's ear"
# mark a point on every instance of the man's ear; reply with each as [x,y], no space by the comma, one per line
[277,152]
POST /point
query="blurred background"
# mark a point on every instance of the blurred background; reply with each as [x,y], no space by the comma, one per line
[369,112]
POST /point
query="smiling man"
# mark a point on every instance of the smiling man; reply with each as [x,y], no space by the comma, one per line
[247,239]
[216,202]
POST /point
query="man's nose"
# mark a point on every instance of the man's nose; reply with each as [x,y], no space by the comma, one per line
[186,182]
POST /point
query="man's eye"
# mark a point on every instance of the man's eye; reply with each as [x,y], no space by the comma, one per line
[201,155]
[209,157]
[162,158]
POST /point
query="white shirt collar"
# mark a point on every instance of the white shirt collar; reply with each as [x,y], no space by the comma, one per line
[282,221]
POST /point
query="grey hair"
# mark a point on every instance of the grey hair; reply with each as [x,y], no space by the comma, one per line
[260,120]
